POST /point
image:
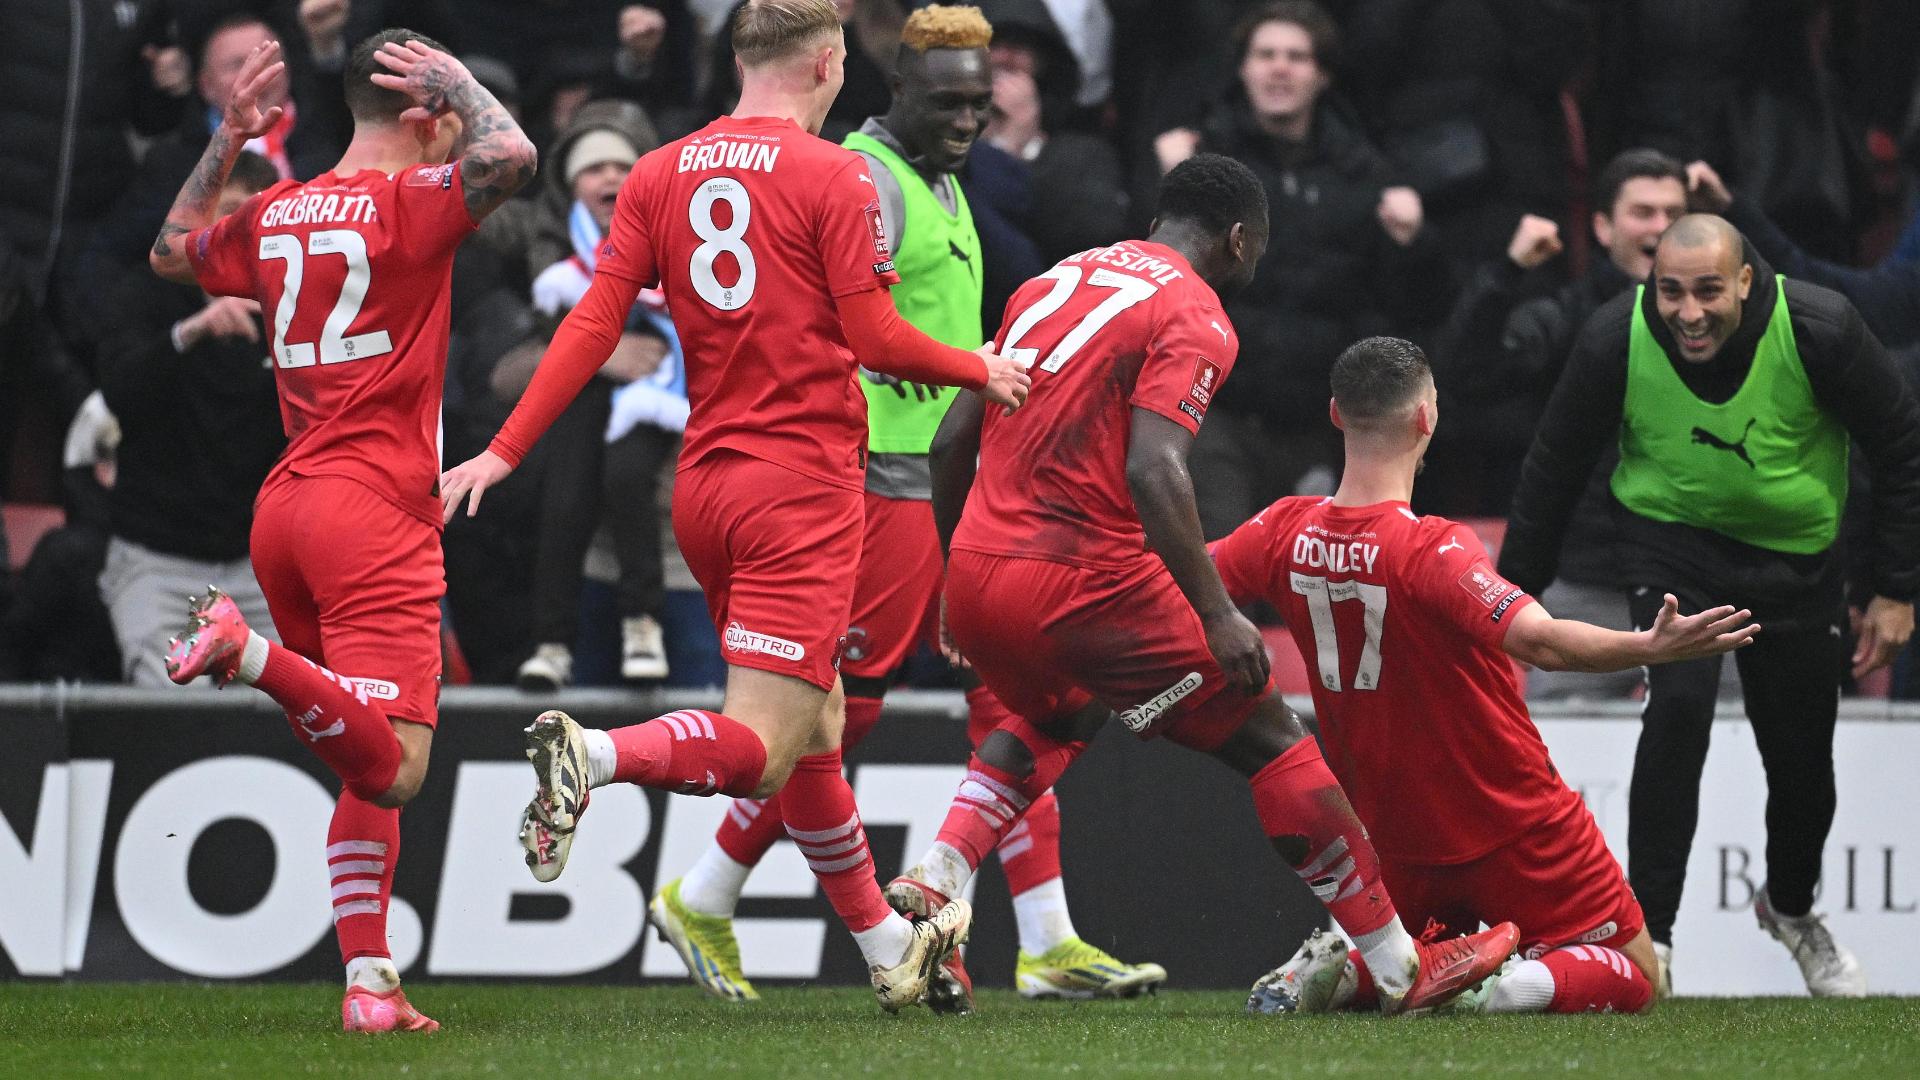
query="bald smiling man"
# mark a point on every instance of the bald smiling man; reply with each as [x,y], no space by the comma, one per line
[1734,395]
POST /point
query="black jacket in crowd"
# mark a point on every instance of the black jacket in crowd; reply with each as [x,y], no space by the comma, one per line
[1331,274]
[72,80]
[1499,358]
[199,430]
[1851,376]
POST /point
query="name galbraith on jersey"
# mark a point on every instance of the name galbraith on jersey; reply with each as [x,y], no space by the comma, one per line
[310,208]
[728,153]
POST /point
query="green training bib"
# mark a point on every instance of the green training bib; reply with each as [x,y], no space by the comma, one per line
[938,259]
[1768,467]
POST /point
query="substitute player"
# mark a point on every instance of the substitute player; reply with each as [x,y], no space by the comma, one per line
[355,266]
[1408,629]
[768,244]
[942,93]
[1079,587]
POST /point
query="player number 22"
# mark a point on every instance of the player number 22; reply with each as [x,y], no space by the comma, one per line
[1128,291]
[1321,595]
[715,240]
[334,346]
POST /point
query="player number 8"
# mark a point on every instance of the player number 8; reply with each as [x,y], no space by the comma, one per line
[731,240]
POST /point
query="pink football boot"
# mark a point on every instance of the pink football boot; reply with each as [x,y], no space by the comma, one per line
[212,642]
[371,1010]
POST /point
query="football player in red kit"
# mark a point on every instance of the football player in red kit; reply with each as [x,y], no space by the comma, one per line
[1407,629]
[1078,585]
[767,242]
[354,268]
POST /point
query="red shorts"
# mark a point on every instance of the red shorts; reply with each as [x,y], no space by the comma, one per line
[1047,637]
[776,554]
[354,584]
[896,591]
[1557,882]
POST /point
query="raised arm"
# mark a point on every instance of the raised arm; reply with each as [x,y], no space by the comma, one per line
[1163,495]
[194,207]
[1552,644]
[496,157]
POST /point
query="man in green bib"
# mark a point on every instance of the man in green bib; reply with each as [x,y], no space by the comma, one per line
[942,94]
[1734,396]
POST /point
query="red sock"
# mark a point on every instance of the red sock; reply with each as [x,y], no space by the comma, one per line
[825,824]
[984,713]
[332,717]
[1594,978]
[753,826]
[693,752]
[862,714]
[750,829]
[1302,807]
[991,801]
[363,843]
[1364,994]
[1030,854]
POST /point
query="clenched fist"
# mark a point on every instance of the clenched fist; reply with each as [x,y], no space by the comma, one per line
[1536,240]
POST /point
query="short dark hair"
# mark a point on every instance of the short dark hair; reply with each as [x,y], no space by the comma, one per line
[252,172]
[1215,191]
[1305,14]
[1633,164]
[230,21]
[1378,376]
[366,100]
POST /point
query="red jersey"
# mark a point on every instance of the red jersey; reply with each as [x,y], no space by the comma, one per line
[353,275]
[1107,330]
[1422,717]
[752,227]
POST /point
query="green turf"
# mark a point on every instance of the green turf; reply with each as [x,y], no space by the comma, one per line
[268,1031]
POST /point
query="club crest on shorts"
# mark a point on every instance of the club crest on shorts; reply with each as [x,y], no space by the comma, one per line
[741,639]
[855,647]
[1141,716]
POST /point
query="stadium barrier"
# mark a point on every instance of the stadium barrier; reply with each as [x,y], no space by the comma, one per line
[158,835]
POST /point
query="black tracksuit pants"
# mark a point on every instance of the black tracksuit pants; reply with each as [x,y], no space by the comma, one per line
[1790,677]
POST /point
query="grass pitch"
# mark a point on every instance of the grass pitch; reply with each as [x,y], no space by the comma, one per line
[170,1030]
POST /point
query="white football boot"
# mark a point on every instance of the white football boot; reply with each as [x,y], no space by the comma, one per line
[1829,968]
[559,756]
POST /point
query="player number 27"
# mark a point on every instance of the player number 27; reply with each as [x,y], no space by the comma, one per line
[1321,595]
[335,347]
[1128,291]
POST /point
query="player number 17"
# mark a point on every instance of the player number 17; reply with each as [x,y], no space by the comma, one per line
[1321,595]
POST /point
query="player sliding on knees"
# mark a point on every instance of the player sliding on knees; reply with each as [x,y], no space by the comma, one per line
[766,241]
[356,265]
[1078,585]
[1408,630]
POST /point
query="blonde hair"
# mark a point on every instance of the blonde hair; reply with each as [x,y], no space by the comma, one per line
[767,30]
[945,26]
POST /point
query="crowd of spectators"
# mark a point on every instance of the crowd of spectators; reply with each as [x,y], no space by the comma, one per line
[1477,175]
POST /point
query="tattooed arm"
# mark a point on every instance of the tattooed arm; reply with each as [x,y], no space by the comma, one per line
[194,207]
[496,157]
